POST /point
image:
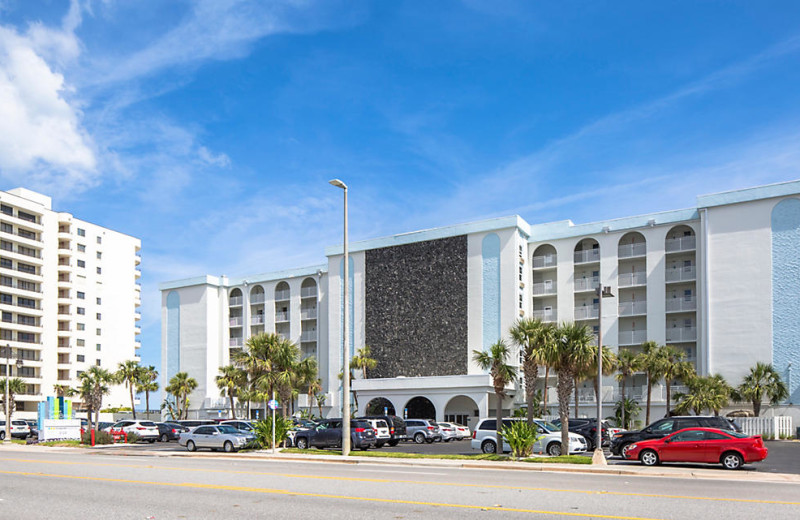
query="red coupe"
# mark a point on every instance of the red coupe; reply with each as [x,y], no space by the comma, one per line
[707,445]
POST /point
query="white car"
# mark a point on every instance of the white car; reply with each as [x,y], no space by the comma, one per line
[382,434]
[463,431]
[485,438]
[19,429]
[449,432]
[146,430]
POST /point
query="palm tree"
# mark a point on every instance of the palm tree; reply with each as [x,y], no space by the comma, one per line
[627,365]
[229,380]
[15,386]
[94,385]
[308,378]
[675,367]
[762,381]
[64,391]
[129,372]
[609,367]
[533,336]
[270,362]
[148,382]
[705,393]
[571,350]
[652,362]
[362,361]
[181,385]
[496,362]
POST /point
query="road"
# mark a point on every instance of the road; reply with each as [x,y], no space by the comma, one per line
[77,485]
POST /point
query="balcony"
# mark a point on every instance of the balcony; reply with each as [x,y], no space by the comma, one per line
[137,273]
[236,321]
[545,262]
[587,312]
[308,292]
[137,287]
[632,337]
[258,319]
[137,330]
[137,316]
[681,304]
[235,301]
[137,259]
[281,317]
[587,284]
[632,279]
[308,314]
[632,250]
[681,274]
[675,245]
[587,257]
[236,342]
[546,315]
[308,335]
[281,295]
[680,334]
[632,308]
[543,289]
[136,344]
[257,299]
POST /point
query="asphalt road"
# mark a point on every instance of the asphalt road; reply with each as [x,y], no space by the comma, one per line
[78,485]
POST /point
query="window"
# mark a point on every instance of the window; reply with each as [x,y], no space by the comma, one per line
[98,347]
[6,281]
[5,245]
[77,374]
[27,251]
[24,233]
[6,228]
[26,302]
[81,310]
[81,295]
[81,232]
[7,210]
[99,332]
[81,343]
[26,216]
[97,362]
[6,298]
[81,263]
[26,268]
[25,320]
[99,271]
[26,337]
[99,301]
[99,316]
[99,255]
[520,273]
[5,262]
[7,317]
[27,286]
[81,326]
[81,358]
[81,248]
[99,240]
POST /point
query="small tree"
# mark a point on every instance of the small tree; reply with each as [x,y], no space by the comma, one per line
[627,365]
[521,437]
[675,368]
[534,337]
[229,380]
[15,386]
[148,382]
[94,386]
[763,381]
[705,393]
[625,410]
[495,360]
[653,362]
[129,373]
[363,361]
[180,386]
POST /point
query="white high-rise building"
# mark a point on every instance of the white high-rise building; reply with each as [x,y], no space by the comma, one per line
[69,297]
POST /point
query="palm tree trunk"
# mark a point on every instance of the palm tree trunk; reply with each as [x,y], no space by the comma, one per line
[133,407]
[669,385]
[544,397]
[624,424]
[499,423]
[147,402]
[649,388]
[575,386]
[530,370]
[564,389]
[233,408]
[756,407]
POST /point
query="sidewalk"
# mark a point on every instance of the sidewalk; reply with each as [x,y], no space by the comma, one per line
[629,470]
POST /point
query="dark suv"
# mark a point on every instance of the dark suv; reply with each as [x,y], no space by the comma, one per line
[587,428]
[668,425]
[328,434]
[397,427]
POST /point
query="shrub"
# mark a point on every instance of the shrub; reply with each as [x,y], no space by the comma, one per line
[263,431]
[133,438]
[521,437]
[100,437]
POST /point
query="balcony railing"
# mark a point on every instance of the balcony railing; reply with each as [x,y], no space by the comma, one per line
[632,337]
[236,321]
[281,316]
[586,312]
[678,334]
[673,245]
[681,274]
[308,292]
[632,250]
[632,279]
[540,262]
[632,308]
[235,301]
[255,299]
[586,284]
[236,342]
[587,256]
[281,295]
[308,335]
[540,289]
[258,319]
[308,314]
[545,314]
[681,304]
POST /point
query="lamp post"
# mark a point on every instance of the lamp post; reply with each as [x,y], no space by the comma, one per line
[598,457]
[345,333]
[6,403]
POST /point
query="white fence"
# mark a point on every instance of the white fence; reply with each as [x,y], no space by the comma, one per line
[767,427]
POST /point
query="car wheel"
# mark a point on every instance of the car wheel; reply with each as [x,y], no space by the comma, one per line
[302,443]
[489,447]
[648,458]
[164,438]
[151,441]
[393,443]
[379,445]
[554,449]
[364,448]
[589,443]
[623,451]
[190,446]
[419,438]
[228,447]
[429,441]
[732,460]
[2,435]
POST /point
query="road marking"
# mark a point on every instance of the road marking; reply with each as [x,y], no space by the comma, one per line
[416,482]
[321,495]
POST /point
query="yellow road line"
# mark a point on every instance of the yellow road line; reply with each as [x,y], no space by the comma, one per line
[415,482]
[321,495]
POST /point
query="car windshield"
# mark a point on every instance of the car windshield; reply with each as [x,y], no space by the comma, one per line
[225,428]
[148,424]
[738,435]
[550,427]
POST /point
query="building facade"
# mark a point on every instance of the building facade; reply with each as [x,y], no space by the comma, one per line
[721,281]
[69,297]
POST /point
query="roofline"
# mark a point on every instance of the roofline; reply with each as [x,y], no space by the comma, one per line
[768,191]
[566,229]
[224,281]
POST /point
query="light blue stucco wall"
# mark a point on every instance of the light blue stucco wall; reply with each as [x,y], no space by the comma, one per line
[173,334]
[786,292]
[490,289]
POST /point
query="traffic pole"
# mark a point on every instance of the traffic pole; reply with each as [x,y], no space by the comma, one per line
[273,423]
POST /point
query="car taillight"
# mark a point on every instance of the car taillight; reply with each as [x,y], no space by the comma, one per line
[140,428]
[430,427]
[359,430]
[174,430]
[473,434]
[391,430]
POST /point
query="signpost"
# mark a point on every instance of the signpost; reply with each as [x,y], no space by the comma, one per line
[273,405]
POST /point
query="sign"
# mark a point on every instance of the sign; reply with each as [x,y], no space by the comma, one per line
[273,404]
[59,429]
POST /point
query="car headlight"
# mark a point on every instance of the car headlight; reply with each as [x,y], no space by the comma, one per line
[617,435]
[632,446]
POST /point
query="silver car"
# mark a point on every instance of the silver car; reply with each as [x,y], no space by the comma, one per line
[222,437]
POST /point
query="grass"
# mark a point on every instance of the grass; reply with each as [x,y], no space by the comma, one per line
[571,459]
[62,444]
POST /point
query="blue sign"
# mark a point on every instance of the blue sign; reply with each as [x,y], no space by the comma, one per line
[273,404]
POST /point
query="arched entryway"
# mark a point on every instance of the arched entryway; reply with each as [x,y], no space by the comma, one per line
[460,408]
[380,406]
[420,408]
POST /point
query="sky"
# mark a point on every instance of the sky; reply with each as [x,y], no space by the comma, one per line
[210,128]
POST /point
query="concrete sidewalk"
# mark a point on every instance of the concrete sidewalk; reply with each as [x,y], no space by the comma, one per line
[751,475]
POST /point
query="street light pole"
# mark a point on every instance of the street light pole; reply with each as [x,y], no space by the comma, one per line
[598,457]
[345,333]
[7,438]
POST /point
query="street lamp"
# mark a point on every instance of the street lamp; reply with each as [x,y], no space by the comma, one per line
[7,438]
[345,334]
[598,457]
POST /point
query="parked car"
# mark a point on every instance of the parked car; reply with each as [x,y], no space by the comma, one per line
[484,438]
[449,432]
[588,428]
[194,423]
[708,445]
[462,431]
[33,424]
[168,432]
[328,434]
[298,425]
[245,426]
[18,429]
[397,427]
[146,430]
[102,425]
[666,426]
[214,437]
[382,434]
[423,430]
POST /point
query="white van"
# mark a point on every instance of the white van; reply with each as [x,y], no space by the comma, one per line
[484,437]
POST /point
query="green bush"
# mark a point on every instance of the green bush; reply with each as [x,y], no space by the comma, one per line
[100,437]
[263,431]
[521,437]
[133,438]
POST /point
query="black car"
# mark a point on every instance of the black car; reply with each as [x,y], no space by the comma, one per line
[169,431]
[587,427]
[397,427]
[328,434]
[668,425]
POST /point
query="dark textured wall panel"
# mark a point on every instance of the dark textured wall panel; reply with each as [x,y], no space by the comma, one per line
[416,308]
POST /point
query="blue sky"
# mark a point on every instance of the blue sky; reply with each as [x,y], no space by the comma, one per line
[209,129]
